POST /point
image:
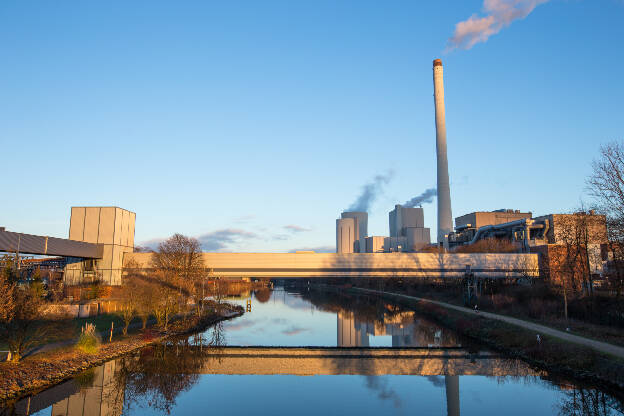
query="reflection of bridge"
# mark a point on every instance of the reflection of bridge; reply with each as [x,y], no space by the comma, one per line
[305,361]
[102,396]
[301,361]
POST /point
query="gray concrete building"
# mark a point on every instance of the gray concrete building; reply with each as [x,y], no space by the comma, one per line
[361,222]
[401,218]
[480,219]
[110,227]
[407,229]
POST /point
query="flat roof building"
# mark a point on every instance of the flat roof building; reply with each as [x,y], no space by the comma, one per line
[480,219]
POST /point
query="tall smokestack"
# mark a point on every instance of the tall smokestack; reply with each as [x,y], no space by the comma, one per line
[445,221]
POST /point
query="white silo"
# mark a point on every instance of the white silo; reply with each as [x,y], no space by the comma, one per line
[345,235]
[361,222]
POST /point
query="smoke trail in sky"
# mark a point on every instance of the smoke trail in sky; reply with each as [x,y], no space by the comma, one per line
[370,192]
[498,15]
[424,198]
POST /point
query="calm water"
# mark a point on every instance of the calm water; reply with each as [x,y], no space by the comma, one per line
[438,373]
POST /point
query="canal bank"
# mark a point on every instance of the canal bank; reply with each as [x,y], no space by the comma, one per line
[570,355]
[45,370]
[319,352]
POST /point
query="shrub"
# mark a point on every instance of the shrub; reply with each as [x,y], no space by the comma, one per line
[85,379]
[89,341]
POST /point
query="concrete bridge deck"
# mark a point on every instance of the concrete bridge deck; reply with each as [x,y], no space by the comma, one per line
[309,265]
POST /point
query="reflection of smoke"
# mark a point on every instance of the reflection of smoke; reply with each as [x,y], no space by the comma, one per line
[424,198]
[380,384]
[437,381]
[370,191]
[498,14]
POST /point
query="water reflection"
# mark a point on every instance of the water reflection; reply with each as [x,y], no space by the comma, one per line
[423,369]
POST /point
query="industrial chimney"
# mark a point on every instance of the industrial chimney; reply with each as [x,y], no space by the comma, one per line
[445,221]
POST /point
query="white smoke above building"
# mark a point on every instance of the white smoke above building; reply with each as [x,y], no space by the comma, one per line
[424,198]
[498,14]
[370,192]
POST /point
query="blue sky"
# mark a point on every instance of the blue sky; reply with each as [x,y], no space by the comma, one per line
[253,124]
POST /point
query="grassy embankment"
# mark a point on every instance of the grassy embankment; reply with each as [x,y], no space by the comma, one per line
[43,370]
[69,329]
[598,317]
[551,353]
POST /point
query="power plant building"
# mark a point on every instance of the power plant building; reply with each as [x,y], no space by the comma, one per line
[407,232]
[361,222]
[351,231]
[345,235]
[409,224]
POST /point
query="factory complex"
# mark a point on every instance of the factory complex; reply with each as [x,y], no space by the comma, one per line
[101,240]
[407,232]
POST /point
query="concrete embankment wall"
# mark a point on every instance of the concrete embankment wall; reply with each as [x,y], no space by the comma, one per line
[357,264]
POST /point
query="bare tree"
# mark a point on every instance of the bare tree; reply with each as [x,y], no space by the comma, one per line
[130,300]
[179,260]
[489,245]
[24,327]
[606,182]
[164,299]
[568,266]
[7,301]
[144,301]
[606,185]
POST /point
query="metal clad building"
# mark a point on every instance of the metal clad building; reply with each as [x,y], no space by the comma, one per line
[111,227]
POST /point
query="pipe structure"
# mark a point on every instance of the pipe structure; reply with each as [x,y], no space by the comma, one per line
[445,220]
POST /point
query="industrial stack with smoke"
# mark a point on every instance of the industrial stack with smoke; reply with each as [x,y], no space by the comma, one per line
[445,218]
[407,230]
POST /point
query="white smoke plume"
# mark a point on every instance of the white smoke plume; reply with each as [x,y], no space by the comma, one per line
[498,15]
[370,192]
[424,198]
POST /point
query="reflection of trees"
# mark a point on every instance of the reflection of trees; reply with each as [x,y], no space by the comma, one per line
[589,402]
[158,374]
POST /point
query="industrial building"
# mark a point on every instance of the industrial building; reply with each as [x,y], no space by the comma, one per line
[407,225]
[478,225]
[98,239]
[551,236]
[523,229]
[407,232]
[112,228]
[351,231]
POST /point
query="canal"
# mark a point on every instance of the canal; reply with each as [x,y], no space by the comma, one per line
[390,361]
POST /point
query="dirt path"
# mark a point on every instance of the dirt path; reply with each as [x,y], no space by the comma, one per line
[539,329]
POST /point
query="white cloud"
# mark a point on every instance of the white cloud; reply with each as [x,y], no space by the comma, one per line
[296,228]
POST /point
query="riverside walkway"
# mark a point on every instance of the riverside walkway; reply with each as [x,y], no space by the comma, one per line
[604,347]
